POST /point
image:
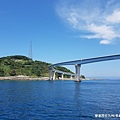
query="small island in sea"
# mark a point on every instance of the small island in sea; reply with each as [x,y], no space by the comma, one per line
[20,67]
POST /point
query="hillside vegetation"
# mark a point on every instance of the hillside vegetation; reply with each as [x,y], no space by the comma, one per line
[22,65]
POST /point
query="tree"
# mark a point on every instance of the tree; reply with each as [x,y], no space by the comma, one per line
[82,76]
[22,65]
[12,73]
[2,73]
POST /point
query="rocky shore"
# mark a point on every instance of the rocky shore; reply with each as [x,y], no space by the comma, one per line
[23,78]
[28,78]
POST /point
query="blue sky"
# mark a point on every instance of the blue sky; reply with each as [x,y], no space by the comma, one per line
[63,30]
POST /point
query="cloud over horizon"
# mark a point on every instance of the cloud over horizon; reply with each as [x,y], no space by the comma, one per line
[99,18]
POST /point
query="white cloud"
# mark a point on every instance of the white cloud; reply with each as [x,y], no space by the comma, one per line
[114,18]
[103,32]
[100,18]
[72,18]
[105,42]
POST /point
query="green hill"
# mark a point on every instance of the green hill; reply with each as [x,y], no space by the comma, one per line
[22,65]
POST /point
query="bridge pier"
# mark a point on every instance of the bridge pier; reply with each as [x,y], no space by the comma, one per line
[54,75]
[62,76]
[77,72]
[51,74]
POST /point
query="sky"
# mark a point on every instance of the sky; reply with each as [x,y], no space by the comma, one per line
[63,30]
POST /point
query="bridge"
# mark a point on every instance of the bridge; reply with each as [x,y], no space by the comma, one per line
[77,64]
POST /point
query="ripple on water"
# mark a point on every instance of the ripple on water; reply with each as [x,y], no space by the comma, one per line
[58,100]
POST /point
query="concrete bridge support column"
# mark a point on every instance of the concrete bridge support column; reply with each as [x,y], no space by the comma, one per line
[62,76]
[77,72]
[71,77]
[51,73]
[54,75]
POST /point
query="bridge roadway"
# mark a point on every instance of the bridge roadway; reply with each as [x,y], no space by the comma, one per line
[78,64]
[62,73]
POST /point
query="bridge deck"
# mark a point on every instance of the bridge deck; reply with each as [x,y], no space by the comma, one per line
[89,60]
[66,73]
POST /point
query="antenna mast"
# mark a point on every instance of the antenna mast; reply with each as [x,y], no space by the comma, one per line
[30,50]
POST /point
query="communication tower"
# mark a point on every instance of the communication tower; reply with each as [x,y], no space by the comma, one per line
[30,50]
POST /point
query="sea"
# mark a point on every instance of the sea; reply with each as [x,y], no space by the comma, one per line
[60,100]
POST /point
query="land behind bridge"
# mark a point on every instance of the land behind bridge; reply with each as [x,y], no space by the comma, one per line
[22,67]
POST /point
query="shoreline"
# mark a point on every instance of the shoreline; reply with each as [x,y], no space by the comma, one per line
[21,77]
[29,78]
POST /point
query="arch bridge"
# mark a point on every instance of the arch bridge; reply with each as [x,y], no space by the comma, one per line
[77,64]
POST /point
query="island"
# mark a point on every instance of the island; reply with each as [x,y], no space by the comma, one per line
[19,67]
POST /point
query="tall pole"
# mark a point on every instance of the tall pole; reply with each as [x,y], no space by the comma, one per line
[30,50]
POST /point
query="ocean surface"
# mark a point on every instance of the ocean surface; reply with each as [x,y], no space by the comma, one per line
[60,100]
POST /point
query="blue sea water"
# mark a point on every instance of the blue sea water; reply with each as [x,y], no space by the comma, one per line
[60,100]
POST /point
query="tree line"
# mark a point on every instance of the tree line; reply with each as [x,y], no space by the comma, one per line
[22,65]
